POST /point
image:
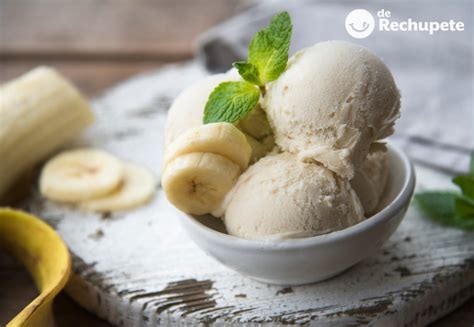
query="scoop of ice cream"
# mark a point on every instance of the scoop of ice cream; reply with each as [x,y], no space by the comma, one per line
[371,178]
[334,99]
[280,196]
[188,109]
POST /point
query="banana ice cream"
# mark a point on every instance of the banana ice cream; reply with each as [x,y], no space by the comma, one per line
[187,109]
[325,112]
[282,197]
[370,179]
[334,99]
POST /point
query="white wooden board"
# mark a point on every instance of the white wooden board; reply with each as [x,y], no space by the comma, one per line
[139,268]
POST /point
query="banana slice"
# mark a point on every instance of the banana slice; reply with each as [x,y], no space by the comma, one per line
[219,138]
[137,188]
[197,182]
[78,175]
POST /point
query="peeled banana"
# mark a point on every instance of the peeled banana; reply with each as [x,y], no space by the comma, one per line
[202,165]
[197,182]
[45,256]
[39,112]
[80,174]
[137,187]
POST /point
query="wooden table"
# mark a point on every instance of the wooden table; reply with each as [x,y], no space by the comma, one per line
[96,44]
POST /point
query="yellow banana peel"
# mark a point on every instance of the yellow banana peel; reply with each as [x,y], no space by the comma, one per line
[46,257]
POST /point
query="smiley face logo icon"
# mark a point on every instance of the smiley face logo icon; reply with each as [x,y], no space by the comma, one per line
[360,23]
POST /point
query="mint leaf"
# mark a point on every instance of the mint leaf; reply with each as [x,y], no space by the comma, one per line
[466,183]
[463,223]
[248,71]
[465,208]
[472,164]
[446,208]
[230,102]
[452,209]
[268,50]
[438,205]
[464,213]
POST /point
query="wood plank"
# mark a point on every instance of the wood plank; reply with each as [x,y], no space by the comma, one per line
[423,272]
[18,289]
[108,28]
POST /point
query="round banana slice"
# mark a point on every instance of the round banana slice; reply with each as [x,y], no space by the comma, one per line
[81,174]
[219,138]
[197,182]
[137,188]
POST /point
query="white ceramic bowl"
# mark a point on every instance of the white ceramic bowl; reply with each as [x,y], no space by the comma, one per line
[311,259]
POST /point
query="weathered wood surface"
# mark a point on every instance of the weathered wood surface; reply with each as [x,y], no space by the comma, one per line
[97,43]
[138,268]
[107,28]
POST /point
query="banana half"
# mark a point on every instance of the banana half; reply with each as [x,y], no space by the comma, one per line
[45,256]
[202,165]
[39,112]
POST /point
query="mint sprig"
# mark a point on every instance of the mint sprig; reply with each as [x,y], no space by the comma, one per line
[244,97]
[455,209]
[268,57]
[268,50]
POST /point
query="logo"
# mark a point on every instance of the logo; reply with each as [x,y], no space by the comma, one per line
[360,23]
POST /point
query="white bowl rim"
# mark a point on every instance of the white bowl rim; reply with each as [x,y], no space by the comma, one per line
[297,243]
